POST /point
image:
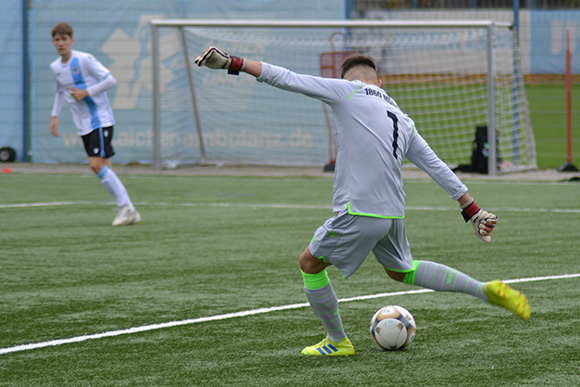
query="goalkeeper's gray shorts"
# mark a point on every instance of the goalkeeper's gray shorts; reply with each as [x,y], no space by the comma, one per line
[346,240]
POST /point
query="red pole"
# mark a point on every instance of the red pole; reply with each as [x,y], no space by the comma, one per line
[569,95]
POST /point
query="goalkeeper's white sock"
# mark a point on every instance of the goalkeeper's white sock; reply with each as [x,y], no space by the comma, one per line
[112,183]
[324,303]
[441,278]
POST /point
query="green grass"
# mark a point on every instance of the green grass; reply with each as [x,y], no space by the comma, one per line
[65,272]
[549,121]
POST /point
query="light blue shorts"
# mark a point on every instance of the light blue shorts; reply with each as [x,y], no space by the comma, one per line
[346,240]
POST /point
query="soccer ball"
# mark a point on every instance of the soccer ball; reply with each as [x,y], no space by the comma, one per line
[393,327]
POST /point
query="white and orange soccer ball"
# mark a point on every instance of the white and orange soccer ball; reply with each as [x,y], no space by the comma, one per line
[393,327]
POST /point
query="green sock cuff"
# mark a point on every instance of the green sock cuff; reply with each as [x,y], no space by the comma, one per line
[410,276]
[315,281]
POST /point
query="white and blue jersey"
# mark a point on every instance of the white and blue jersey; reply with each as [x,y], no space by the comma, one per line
[84,72]
[373,136]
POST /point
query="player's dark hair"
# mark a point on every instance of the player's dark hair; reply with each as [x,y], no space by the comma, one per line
[357,60]
[62,29]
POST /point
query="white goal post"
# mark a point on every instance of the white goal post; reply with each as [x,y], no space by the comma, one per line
[449,76]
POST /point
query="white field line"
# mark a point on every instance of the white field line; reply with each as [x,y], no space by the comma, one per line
[145,328]
[49,204]
[288,206]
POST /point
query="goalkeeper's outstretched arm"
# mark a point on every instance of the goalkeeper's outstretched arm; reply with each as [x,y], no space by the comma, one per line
[325,89]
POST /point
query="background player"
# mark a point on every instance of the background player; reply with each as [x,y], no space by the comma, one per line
[373,137]
[82,81]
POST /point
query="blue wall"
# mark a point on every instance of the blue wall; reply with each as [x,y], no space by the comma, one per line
[11,90]
[548,41]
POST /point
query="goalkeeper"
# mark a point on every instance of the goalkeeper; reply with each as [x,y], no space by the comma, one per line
[373,137]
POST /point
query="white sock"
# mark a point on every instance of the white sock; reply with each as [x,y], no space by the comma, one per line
[112,183]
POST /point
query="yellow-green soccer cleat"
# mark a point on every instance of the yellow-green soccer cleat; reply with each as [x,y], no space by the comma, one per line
[501,294]
[328,347]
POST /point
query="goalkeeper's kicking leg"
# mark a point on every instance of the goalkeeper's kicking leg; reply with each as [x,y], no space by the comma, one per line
[439,277]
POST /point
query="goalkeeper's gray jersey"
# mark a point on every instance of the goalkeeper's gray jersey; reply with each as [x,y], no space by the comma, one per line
[373,136]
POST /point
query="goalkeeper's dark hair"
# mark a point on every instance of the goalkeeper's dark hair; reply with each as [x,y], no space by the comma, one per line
[356,60]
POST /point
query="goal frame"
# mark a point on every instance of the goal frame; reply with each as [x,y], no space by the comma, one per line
[487,25]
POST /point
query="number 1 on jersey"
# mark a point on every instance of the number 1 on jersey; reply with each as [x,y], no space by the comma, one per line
[393,117]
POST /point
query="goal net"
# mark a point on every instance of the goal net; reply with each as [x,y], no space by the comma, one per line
[450,77]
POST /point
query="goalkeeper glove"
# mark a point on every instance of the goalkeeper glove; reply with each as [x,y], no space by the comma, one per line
[214,58]
[483,221]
